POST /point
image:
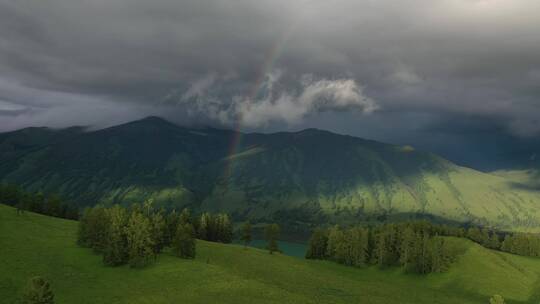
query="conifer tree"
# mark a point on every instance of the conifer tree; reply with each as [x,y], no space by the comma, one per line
[534,245]
[494,242]
[246,233]
[364,246]
[183,244]
[342,253]
[185,216]
[139,240]
[52,205]
[37,203]
[335,238]
[20,208]
[172,221]
[357,247]
[393,242]
[507,244]
[382,249]
[475,235]
[318,243]
[38,291]
[205,227]
[148,207]
[222,228]
[496,299]
[484,238]
[83,229]
[439,258]
[272,234]
[159,228]
[226,229]
[424,262]
[116,248]
[409,250]
[93,228]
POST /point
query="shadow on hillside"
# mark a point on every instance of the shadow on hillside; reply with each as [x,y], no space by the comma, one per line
[533,184]
[528,187]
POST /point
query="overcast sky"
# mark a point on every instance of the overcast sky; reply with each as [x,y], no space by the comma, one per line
[431,73]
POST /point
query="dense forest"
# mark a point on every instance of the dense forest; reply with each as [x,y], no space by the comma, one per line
[51,204]
[418,247]
[414,246]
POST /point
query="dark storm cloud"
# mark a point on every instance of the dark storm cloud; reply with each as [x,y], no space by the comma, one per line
[417,63]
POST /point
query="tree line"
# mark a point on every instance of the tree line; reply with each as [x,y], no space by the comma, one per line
[135,236]
[51,205]
[526,244]
[520,243]
[415,246]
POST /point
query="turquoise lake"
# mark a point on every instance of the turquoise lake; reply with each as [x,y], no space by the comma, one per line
[288,248]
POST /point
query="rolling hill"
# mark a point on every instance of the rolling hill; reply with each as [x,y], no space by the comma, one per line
[33,244]
[298,178]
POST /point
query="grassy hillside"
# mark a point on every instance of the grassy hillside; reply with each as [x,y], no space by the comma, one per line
[527,179]
[297,178]
[33,244]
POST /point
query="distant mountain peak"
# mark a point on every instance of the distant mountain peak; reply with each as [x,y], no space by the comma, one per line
[312,131]
[148,122]
[152,119]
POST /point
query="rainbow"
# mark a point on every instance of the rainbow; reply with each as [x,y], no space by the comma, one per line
[269,60]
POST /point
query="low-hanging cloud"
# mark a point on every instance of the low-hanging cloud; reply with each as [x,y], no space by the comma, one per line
[276,103]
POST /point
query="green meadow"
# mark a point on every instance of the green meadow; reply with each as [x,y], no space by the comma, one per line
[32,244]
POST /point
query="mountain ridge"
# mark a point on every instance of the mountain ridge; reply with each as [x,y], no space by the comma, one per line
[303,178]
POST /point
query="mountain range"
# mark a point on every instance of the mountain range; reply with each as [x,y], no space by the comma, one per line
[298,178]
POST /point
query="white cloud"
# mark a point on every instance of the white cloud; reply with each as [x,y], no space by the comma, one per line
[283,104]
[6,106]
[200,87]
[404,75]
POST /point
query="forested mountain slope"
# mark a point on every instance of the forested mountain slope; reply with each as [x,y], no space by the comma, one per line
[311,176]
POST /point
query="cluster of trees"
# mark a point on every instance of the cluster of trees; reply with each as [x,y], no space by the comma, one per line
[415,246]
[483,236]
[51,205]
[215,228]
[526,244]
[137,235]
[207,226]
